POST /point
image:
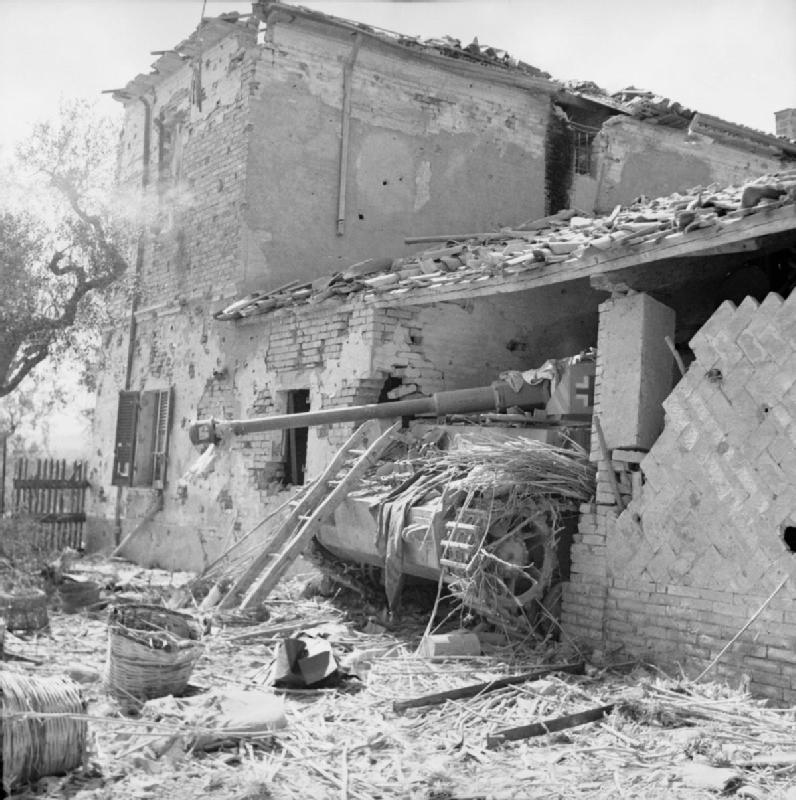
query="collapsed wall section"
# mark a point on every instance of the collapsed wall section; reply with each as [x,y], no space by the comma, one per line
[638,158]
[182,171]
[711,535]
[633,375]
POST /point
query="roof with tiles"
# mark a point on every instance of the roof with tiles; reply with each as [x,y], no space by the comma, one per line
[630,101]
[566,239]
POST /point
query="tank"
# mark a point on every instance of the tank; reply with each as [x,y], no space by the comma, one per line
[442,537]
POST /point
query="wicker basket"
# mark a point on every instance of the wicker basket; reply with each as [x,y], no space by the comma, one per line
[78,594]
[35,747]
[24,610]
[151,652]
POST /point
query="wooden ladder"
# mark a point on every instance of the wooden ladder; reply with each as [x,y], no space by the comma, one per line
[293,535]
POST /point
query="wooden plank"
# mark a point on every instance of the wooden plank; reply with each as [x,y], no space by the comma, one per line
[156,506]
[436,698]
[548,726]
[308,501]
[261,588]
[606,456]
[81,501]
[452,237]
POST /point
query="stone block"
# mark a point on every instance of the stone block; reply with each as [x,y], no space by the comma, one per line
[774,343]
[719,320]
[637,371]
[752,348]
[459,643]
[728,353]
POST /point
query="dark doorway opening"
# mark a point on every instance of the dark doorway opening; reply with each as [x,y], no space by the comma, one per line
[295,443]
[789,536]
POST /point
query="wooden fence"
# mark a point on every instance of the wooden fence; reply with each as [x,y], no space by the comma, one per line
[54,495]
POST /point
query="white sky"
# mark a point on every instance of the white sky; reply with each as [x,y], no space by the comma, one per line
[732,58]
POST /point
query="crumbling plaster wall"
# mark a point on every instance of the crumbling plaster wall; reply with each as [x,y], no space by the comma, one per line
[341,353]
[192,205]
[636,158]
[431,150]
[711,536]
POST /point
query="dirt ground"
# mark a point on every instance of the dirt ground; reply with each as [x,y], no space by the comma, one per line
[663,738]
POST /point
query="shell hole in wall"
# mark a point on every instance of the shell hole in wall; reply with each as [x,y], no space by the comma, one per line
[789,537]
[391,383]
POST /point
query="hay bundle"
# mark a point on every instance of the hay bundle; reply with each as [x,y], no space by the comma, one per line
[151,652]
[522,487]
[533,468]
[35,746]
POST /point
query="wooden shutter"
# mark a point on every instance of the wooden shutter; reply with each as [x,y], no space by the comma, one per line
[124,450]
[144,438]
[160,445]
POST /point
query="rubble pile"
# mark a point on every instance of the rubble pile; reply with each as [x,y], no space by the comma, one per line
[569,237]
[387,719]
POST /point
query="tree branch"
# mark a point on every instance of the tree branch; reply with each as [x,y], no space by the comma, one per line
[20,373]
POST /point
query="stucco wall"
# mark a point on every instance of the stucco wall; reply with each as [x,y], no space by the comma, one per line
[638,158]
[430,151]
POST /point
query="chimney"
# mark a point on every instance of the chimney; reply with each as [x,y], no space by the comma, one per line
[786,122]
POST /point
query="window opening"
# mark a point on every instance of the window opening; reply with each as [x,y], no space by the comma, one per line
[295,443]
[583,139]
[143,420]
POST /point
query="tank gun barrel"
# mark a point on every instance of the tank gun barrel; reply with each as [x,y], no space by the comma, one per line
[496,397]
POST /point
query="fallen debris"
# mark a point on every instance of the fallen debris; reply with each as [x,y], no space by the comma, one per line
[698,775]
[484,688]
[568,237]
[458,643]
[232,737]
[548,726]
[304,662]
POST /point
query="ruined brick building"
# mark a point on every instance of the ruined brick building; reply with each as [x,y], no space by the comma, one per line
[290,154]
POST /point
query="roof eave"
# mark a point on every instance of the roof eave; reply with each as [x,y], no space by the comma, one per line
[273,13]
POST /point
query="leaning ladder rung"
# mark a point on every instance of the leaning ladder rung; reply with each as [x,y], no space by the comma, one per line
[459,545]
[464,527]
[357,452]
[457,566]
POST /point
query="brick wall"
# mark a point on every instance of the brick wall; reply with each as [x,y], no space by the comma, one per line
[197,159]
[695,555]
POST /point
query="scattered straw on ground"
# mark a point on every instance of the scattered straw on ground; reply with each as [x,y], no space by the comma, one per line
[348,742]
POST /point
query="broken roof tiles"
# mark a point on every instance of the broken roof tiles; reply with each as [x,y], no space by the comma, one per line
[565,237]
[631,101]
